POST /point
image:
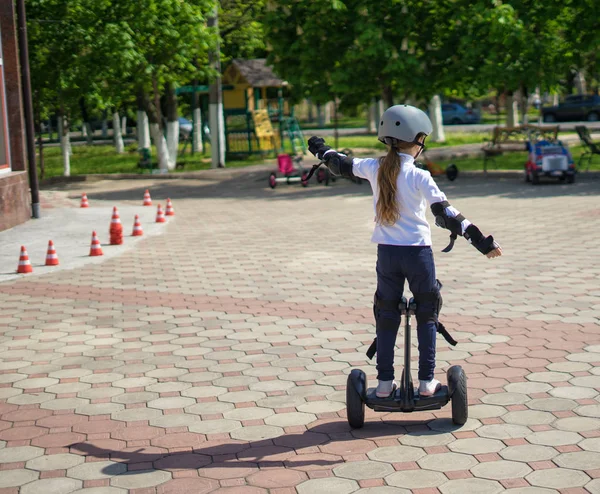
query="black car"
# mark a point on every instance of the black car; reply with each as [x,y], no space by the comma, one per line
[575,108]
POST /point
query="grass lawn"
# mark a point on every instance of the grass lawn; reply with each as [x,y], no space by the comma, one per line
[103,159]
[509,161]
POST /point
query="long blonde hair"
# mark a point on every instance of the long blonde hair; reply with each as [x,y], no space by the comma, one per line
[387,210]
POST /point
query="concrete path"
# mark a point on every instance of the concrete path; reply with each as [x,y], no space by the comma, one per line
[213,358]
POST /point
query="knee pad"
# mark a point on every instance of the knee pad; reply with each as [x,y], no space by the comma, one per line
[429,304]
[388,306]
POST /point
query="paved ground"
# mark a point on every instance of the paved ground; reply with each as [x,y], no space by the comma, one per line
[213,358]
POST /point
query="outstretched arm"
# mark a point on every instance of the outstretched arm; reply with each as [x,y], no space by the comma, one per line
[450,218]
[338,163]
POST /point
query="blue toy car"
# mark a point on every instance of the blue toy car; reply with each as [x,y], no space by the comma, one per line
[549,159]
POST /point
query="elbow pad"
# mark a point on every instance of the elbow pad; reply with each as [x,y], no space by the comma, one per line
[339,164]
[452,223]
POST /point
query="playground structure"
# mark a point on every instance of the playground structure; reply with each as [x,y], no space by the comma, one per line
[258,117]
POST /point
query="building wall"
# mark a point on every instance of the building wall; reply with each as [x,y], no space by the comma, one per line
[14,199]
[14,186]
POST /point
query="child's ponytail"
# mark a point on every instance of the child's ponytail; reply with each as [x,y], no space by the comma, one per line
[387,211]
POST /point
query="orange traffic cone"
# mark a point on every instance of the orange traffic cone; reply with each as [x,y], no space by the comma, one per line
[160,216]
[147,199]
[51,257]
[116,229]
[24,264]
[137,227]
[169,211]
[84,201]
[95,249]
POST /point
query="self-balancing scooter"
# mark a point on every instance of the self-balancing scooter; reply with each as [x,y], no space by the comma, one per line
[404,399]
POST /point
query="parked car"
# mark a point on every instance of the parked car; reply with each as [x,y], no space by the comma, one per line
[455,114]
[575,108]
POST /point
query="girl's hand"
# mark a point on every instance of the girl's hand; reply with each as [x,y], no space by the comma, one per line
[494,253]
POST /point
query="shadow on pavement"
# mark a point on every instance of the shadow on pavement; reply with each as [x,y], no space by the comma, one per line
[276,452]
[254,186]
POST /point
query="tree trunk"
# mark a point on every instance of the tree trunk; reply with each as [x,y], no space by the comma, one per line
[372,119]
[117,136]
[124,125]
[197,137]
[38,124]
[388,96]
[320,118]
[197,144]
[512,110]
[65,145]
[172,125]
[328,113]
[155,119]
[89,133]
[142,127]
[104,126]
[310,115]
[580,83]
[524,104]
[336,134]
[162,153]
[435,112]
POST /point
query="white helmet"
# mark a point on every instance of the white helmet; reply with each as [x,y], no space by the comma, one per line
[403,123]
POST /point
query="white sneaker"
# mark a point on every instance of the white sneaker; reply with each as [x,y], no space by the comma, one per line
[429,388]
[385,388]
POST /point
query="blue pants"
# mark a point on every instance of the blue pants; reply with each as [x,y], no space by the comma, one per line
[395,264]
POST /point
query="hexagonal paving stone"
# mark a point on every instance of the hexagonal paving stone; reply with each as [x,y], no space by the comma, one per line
[573,392]
[425,439]
[215,426]
[446,425]
[416,479]
[396,454]
[383,489]
[99,409]
[359,470]
[241,396]
[129,398]
[276,478]
[64,403]
[447,462]
[472,486]
[476,446]
[203,391]
[504,399]
[138,479]
[579,460]
[248,413]
[327,486]
[135,414]
[209,407]
[322,406]
[529,417]
[17,477]
[19,454]
[290,419]
[257,433]
[589,411]
[577,424]
[171,402]
[97,470]
[554,438]
[499,470]
[527,387]
[592,444]
[552,404]
[485,411]
[54,462]
[100,490]
[528,452]
[557,478]
[583,381]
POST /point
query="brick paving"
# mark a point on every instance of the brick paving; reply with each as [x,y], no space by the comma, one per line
[213,358]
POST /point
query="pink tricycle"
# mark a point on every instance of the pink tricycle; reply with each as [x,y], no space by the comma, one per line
[289,173]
